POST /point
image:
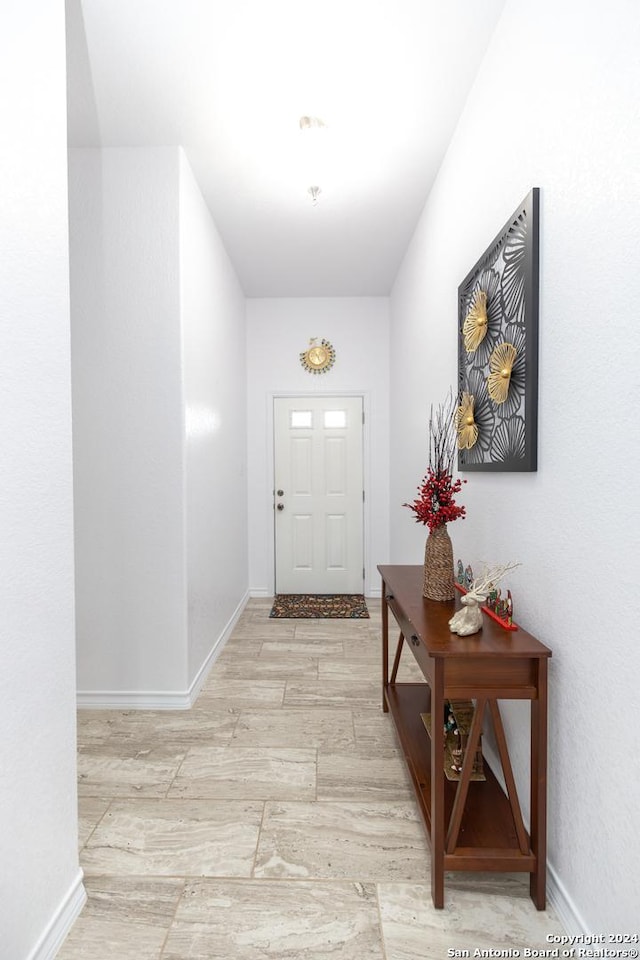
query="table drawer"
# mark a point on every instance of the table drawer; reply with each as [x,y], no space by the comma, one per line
[411,637]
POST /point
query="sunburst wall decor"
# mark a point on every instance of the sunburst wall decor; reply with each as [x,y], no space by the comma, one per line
[498,349]
[318,357]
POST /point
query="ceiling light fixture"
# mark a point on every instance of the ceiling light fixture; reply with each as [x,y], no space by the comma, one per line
[313,149]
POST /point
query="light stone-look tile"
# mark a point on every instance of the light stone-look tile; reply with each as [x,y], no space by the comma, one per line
[267,668]
[327,629]
[369,668]
[367,653]
[240,741]
[364,841]
[375,728]
[250,615]
[321,647]
[263,629]
[123,919]
[502,884]
[241,694]
[122,769]
[141,727]
[363,774]
[274,920]
[471,920]
[208,838]
[294,727]
[332,693]
[260,605]
[248,773]
[238,649]
[91,810]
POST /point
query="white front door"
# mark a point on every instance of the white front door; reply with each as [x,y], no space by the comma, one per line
[318,495]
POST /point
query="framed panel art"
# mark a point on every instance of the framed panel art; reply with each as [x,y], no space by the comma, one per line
[497,419]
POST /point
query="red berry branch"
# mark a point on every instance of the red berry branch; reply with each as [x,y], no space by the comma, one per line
[436,505]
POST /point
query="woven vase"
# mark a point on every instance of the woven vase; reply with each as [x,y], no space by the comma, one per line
[438,566]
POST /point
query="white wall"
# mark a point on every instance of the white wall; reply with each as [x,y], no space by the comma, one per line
[278,330]
[159,427]
[555,105]
[40,881]
[215,389]
[128,420]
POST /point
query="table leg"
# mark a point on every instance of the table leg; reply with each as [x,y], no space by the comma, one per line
[385,647]
[538,881]
[437,784]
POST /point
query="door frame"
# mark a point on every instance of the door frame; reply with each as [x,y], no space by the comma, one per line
[366,475]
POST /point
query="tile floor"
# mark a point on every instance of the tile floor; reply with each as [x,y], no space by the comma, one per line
[274,820]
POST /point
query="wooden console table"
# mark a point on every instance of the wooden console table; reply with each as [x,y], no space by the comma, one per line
[472,825]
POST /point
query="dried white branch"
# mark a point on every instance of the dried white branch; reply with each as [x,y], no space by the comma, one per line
[482,585]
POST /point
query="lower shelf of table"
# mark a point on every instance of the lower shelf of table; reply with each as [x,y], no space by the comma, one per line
[487,839]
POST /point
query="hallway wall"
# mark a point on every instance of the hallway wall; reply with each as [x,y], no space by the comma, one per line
[127,411]
[215,398]
[41,888]
[278,330]
[555,105]
[153,297]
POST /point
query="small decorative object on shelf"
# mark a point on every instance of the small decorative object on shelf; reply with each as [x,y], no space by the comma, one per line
[318,357]
[462,714]
[458,716]
[469,620]
[435,506]
[502,607]
[468,576]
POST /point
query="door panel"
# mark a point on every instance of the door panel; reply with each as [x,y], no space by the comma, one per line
[302,542]
[301,466]
[335,465]
[335,533]
[318,517]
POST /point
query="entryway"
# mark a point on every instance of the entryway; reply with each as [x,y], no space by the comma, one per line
[318,494]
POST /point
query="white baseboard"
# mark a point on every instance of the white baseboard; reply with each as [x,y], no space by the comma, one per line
[216,650]
[568,913]
[161,699]
[133,699]
[60,924]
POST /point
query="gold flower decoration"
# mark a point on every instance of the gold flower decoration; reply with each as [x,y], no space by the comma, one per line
[465,423]
[501,365]
[474,328]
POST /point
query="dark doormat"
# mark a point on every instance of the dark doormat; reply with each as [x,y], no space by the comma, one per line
[305,606]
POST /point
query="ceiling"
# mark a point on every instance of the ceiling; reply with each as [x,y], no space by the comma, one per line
[228,80]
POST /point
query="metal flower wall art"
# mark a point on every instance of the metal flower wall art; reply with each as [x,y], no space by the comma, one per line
[501,365]
[465,423]
[496,418]
[475,324]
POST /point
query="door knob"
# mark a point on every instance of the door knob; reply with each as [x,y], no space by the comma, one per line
[280,493]
[280,506]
